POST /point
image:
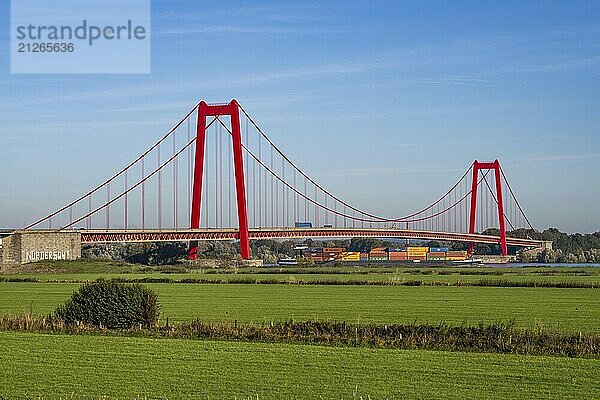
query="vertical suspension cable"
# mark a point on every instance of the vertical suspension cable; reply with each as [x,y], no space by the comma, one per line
[125,211]
[468,206]
[221,174]
[335,213]
[490,212]
[325,211]
[159,192]
[108,205]
[284,194]
[266,190]
[316,211]
[296,211]
[513,212]
[305,201]
[218,129]
[206,176]
[246,161]
[89,218]
[277,203]
[481,204]
[272,199]
[247,144]
[465,210]
[189,169]
[143,193]
[254,196]
[461,221]
[260,187]
[454,202]
[175,167]
[486,208]
[444,214]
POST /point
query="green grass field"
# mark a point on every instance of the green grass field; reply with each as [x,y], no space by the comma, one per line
[308,277]
[570,310]
[90,270]
[85,366]
[90,366]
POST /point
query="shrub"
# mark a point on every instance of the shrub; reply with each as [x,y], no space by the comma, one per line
[112,305]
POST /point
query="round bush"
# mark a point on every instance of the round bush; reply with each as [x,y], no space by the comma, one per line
[112,305]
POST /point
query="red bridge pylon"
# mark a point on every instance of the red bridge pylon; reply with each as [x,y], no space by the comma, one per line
[478,166]
[232,110]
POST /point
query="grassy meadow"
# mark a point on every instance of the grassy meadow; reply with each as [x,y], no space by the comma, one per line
[84,366]
[562,309]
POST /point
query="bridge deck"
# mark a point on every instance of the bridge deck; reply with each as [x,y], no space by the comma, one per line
[157,235]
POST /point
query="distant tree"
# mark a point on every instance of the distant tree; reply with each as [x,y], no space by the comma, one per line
[525,257]
[364,245]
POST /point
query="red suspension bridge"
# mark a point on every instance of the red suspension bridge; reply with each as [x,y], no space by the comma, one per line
[216,174]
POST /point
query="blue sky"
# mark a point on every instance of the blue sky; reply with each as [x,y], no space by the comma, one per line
[398,98]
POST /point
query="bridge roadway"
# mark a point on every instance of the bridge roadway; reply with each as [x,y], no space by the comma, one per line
[184,235]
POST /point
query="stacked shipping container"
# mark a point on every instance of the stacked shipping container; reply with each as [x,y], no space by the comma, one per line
[438,249]
[314,253]
[378,254]
[417,253]
[384,254]
[350,256]
[333,253]
[456,255]
[397,255]
[436,256]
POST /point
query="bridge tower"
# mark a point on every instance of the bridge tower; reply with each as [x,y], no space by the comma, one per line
[482,166]
[232,110]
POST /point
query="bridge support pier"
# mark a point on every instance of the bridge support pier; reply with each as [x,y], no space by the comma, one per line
[23,247]
[205,110]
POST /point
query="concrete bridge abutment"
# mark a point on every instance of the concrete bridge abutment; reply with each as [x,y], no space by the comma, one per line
[22,247]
